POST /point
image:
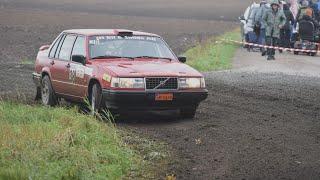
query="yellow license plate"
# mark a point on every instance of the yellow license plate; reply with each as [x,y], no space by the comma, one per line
[164,97]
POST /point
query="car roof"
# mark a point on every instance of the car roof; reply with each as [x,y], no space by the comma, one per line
[92,32]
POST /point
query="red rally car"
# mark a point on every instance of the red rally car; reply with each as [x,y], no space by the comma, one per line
[119,70]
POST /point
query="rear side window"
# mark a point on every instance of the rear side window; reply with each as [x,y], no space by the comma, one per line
[79,47]
[54,47]
[65,51]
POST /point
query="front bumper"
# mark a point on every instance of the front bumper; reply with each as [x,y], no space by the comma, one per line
[126,100]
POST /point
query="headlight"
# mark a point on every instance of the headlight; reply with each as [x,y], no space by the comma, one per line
[131,83]
[191,83]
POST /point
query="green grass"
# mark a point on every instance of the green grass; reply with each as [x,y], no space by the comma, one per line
[56,143]
[39,142]
[213,54]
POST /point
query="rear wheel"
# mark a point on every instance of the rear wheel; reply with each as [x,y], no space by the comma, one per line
[95,99]
[188,113]
[48,96]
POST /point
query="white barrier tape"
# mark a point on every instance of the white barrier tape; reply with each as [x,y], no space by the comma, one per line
[272,47]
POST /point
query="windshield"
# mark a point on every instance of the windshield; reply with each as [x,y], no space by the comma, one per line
[128,47]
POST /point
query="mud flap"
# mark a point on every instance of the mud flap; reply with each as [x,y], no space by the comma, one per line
[38,94]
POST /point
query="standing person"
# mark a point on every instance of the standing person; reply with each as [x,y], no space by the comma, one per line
[294,7]
[274,19]
[308,17]
[302,10]
[251,28]
[285,32]
[257,21]
[314,6]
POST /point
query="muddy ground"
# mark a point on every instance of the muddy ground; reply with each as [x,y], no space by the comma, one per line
[255,124]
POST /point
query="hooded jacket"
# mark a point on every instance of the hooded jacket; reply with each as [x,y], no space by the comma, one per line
[260,12]
[273,21]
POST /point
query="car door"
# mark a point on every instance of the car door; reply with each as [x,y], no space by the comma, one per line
[79,71]
[61,65]
[55,64]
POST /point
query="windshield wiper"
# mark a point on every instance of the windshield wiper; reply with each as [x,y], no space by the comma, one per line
[111,57]
[152,57]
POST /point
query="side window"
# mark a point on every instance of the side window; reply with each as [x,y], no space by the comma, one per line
[54,47]
[79,47]
[65,51]
[59,47]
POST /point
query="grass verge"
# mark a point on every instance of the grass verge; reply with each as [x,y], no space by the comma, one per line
[57,143]
[211,55]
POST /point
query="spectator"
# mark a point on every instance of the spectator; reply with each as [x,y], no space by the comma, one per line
[315,9]
[252,34]
[285,33]
[274,20]
[257,21]
[294,7]
[302,10]
[308,17]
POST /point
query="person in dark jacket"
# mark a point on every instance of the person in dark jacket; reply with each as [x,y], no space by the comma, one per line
[285,32]
[308,17]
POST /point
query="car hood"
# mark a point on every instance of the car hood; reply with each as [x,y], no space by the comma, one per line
[149,68]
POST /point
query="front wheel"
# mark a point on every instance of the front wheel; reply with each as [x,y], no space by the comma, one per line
[95,99]
[48,97]
[188,113]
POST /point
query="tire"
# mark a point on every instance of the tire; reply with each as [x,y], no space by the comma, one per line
[95,99]
[48,97]
[188,113]
[296,52]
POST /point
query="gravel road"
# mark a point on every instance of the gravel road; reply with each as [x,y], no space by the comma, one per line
[255,124]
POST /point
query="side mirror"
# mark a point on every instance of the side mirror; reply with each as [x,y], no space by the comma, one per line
[44,47]
[79,59]
[182,59]
[242,18]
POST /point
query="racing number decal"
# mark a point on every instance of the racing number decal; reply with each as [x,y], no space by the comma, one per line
[78,71]
[72,75]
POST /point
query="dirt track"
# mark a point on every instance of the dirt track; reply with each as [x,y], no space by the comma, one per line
[255,124]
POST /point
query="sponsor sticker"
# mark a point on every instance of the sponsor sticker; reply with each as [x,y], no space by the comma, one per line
[80,71]
[106,77]
[103,39]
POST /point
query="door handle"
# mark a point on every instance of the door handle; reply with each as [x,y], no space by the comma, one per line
[68,66]
[52,62]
